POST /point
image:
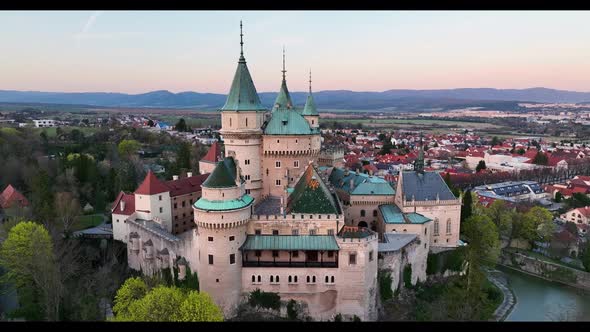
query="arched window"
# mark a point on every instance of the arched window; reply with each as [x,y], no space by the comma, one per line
[290,279]
[272,278]
[253,278]
[435,226]
[230,122]
[277,278]
[449,226]
[425,230]
[374,213]
[267,172]
[313,279]
[327,279]
[295,278]
[307,278]
[246,122]
[259,279]
[362,213]
[332,279]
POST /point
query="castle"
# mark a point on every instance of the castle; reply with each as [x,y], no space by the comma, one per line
[269,216]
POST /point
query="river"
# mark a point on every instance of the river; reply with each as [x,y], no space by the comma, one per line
[541,300]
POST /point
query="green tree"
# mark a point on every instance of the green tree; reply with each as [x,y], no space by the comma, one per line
[160,304]
[542,221]
[180,125]
[586,258]
[183,156]
[128,147]
[483,246]
[558,197]
[28,256]
[42,199]
[466,206]
[481,165]
[501,215]
[540,159]
[199,307]
[132,290]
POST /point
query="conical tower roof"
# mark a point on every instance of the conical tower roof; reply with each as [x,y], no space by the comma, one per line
[223,176]
[242,95]
[283,100]
[309,108]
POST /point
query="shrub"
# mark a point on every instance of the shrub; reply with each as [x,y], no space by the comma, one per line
[408,276]
[338,318]
[292,309]
[385,285]
[262,299]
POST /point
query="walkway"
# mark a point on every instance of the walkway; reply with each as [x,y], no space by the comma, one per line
[498,279]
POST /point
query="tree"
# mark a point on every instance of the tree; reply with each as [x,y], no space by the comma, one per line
[501,215]
[183,156]
[483,246]
[481,165]
[558,197]
[520,151]
[42,199]
[199,307]
[180,125]
[540,159]
[132,290]
[466,206]
[128,147]
[539,224]
[67,208]
[150,123]
[571,227]
[28,255]
[586,258]
[495,141]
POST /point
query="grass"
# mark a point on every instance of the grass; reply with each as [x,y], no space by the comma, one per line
[544,258]
[87,221]
[52,131]
[414,122]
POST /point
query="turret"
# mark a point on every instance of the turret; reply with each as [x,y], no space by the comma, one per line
[222,214]
[310,112]
[242,118]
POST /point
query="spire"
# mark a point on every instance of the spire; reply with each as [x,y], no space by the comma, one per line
[419,163]
[283,100]
[309,108]
[241,43]
[242,95]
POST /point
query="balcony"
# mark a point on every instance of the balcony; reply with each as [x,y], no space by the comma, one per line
[289,264]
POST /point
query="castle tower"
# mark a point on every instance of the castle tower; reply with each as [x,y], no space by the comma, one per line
[152,201]
[221,215]
[242,118]
[310,113]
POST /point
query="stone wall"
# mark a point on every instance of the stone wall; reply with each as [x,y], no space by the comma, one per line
[546,270]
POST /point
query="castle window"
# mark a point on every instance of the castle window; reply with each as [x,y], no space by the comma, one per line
[308,279]
[257,232]
[277,164]
[232,258]
[295,278]
[230,122]
[312,232]
[447,240]
[330,254]
[371,256]
[327,279]
[449,226]
[272,278]
[277,141]
[277,278]
[296,164]
[253,278]
[259,279]
[210,239]
[351,259]
[266,173]
[278,182]
[295,231]
[210,259]
[425,230]
[436,226]
[191,201]
[248,191]
[247,162]
[246,177]
[296,141]
[290,279]
[275,232]
[175,205]
[332,279]
[295,253]
[183,203]
[160,210]
[246,122]
[330,232]
[362,213]
[374,213]
[160,197]
[258,253]
[313,122]
[275,253]
[231,238]
[313,279]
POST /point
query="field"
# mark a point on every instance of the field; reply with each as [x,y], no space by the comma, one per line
[52,131]
[87,221]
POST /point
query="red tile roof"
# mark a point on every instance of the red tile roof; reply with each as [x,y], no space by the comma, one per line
[151,185]
[129,200]
[186,185]
[11,196]
[214,153]
[585,211]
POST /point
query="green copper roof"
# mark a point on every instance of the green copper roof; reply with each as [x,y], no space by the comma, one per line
[310,108]
[311,195]
[393,215]
[223,176]
[283,100]
[363,184]
[242,95]
[205,204]
[288,122]
[290,242]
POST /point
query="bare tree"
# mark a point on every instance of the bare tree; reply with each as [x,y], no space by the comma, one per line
[67,208]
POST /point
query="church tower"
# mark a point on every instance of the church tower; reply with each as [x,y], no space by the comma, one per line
[310,113]
[242,118]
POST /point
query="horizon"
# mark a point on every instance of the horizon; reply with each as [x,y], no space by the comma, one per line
[360,51]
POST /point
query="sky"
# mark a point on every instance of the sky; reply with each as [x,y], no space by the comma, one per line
[142,51]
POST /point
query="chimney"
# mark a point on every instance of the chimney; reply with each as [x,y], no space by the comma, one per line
[189,174]
[174,177]
[122,205]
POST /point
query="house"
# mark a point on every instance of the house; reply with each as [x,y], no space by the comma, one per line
[578,216]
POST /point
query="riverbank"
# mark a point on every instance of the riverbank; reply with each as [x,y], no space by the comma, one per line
[545,269]
[509,300]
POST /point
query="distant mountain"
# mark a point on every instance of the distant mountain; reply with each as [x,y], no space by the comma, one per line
[335,99]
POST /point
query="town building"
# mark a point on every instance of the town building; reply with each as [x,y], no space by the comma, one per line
[44,123]
[269,217]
